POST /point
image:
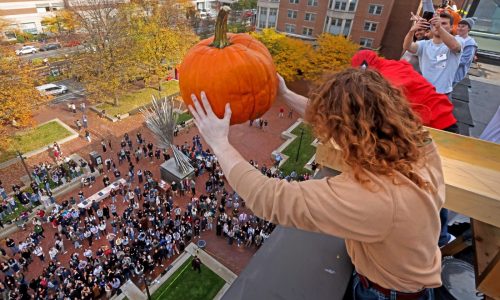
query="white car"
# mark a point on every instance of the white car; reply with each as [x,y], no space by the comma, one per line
[26,50]
[52,89]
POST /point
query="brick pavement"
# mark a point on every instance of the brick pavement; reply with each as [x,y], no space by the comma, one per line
[252,142]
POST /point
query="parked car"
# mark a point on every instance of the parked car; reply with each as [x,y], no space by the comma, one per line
[52,89]
[72,43]
[49,47]
[26,50]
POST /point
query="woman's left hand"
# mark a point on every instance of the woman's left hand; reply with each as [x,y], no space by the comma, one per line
[214,131]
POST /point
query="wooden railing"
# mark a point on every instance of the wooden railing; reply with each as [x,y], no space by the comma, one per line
[472,176]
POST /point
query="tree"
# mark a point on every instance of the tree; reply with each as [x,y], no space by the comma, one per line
[18,96]
[63,21]
[332,54]
[163,37]
[107,66]
[291,56]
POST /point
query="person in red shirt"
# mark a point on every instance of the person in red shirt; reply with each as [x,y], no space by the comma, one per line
[434,109]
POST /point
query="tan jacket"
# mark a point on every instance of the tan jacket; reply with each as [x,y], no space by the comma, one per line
[391,234]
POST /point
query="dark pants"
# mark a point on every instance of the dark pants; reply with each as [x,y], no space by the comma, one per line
[362,291]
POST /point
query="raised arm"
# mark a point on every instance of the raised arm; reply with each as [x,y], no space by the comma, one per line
[408,43]
[295,101]
[448,39]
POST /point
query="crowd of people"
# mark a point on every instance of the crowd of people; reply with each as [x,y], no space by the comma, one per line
[152,228]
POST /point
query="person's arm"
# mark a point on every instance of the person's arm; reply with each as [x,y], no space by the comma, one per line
[448,39]
[295,101]
[316,205]
[408,43]
[465,62]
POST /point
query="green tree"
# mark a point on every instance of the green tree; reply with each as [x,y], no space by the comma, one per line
[332,54]
[291,56]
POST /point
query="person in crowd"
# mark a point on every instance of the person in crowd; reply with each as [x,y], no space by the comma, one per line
[470,48]
[438,57]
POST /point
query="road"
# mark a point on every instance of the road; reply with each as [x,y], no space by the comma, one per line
[52,53]
[76,91]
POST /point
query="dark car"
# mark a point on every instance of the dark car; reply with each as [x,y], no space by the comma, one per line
[50,47]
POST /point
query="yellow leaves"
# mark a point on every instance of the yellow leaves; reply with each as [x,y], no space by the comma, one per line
[296,59]
[62,20]
[18,96]
[291,56]
[333,54]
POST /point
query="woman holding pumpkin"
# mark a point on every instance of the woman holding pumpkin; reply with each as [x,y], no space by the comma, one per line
[385,204]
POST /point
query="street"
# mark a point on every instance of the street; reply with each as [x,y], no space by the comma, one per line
[52,53]
[76,91]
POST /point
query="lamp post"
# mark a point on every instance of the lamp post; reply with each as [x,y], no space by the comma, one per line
[147,282]
[24,164]
[300,143]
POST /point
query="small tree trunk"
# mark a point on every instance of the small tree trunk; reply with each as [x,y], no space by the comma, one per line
[115,101]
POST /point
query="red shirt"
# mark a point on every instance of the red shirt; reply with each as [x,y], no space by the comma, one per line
[434,109]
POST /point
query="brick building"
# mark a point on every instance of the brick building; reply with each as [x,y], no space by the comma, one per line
[375,24]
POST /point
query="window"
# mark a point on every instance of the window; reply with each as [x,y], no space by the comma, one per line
[375,9]
[273,11]
[292,14]
[347,28]
[352,5]
[294,1]
[366,42]
[312,2]
[335,26]
[340,5]
[263,12]
[290,28]
[310,17]
[370,26]
[307,31]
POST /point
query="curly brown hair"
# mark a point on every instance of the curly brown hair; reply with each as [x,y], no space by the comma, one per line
[371,122]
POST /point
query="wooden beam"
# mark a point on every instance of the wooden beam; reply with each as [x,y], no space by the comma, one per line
[471,168]
[486,243]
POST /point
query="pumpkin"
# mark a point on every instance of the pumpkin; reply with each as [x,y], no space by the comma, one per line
[234,68]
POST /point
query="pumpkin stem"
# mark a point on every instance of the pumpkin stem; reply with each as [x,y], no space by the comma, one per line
[220,39]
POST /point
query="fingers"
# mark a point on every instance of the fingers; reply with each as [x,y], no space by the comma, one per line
[198,107]
[193,112]
[228,112]
[206,104]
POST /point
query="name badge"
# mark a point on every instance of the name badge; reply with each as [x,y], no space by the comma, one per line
[441,57]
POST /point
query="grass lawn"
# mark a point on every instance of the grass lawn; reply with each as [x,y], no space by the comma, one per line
[184,117]
[139,98]
[19,209]
[306,151]
[34,138]
[186,284]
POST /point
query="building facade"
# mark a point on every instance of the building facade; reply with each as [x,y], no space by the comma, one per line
[27,16]
[374,24]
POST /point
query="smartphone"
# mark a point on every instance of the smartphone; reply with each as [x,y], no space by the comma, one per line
[428,15]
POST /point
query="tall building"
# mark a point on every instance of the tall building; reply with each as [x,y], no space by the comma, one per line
[27,15]
[374,24]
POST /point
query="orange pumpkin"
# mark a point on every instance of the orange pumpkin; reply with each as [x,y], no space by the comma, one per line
[234,68]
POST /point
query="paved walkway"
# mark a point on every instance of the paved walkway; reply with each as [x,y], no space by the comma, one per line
[252,142]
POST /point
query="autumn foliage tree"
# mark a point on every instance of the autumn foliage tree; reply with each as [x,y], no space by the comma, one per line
[291,56]
[163,37]
[296,59]
[63,21]
[332,54]
[18,96]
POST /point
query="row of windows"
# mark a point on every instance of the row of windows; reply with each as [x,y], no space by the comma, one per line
[292,14]
[309,2]
[290,28]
